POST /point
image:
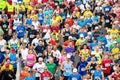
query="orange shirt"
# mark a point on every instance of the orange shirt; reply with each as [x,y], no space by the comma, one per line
[23,74]
[67,42]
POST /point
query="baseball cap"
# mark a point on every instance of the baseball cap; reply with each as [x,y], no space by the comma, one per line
[115,42]
[81,35]
[70,37]
[96,27]
[74,70]
[89,33]
[40,59]
[68,56]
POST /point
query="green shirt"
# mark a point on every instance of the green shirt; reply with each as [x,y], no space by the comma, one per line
[51,67]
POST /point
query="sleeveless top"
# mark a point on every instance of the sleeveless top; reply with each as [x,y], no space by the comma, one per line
[13,59]
[97,75]
[67,68]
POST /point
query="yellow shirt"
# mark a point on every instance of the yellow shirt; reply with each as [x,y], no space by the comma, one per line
[85,53]
[32,16]
[10,67]
[78,14]
[99,59]
[87,13]
[29,8]
[20,7]
[114,51]
[80,42]
[114,32]
[53,21]
[57,36]
[59,18]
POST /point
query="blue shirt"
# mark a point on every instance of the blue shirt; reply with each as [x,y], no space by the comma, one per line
[2,57]
[30,78]
[107,9]
[93,45]
[40,18]
[20,30]
[84,33]
[75,77]
[97,75]
[81,67]
[81,23]
[103,39]
[13,59]
[29,22]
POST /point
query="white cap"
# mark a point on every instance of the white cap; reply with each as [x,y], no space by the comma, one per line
[92,53]
[70,37]
[81,35]
[96,28]
[40,59]
[24,41]
[68,16]
[74,70]
[20,2]
[68,55]
[115,42]
[89,33]
[108,31]
[81,17]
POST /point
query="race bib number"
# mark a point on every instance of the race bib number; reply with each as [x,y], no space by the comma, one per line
[40,69]
[107,9]
[107,65]
[46,78]
[32,36]
[107,21]
[4,26]
[12,62]
[82,69]
[66,34]
[68,70]
[74,78]
[20,31]
[97,78]
[40,18]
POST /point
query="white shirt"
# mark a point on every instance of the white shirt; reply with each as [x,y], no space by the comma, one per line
[2,45]
[35,41]
[36,24]
[24,53]
[16,23]
[56,54]
[39,67]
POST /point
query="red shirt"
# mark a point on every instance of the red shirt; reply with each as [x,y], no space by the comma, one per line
[74,8]
[116,75]
[46,75]
[56,28]
[44,1]
[106,64]
[53,5]
[70,22]
[53,42]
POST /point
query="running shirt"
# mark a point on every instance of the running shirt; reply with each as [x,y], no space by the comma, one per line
[30,60]
[97,75]
[68,68]
[107,64]
[81,67]
[39,67]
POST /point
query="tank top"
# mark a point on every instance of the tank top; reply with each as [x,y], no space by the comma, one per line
[81,68]
[15,23]
[97,75]
[67,68]
[66,34]
[13,60]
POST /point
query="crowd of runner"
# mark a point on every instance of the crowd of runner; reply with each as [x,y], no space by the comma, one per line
[60,39]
